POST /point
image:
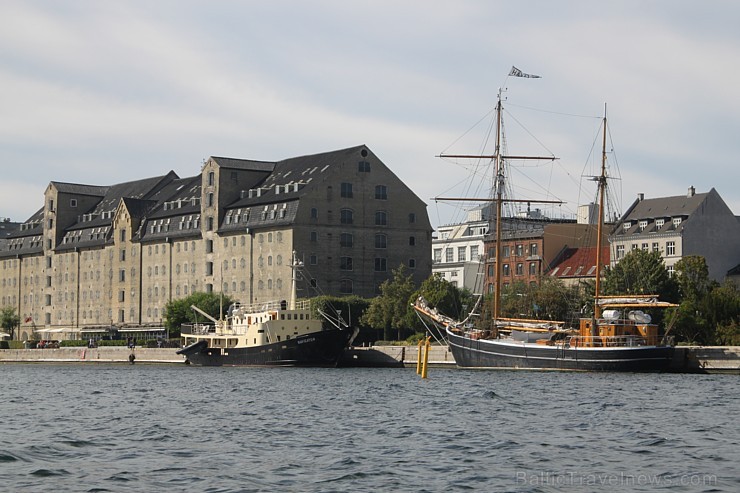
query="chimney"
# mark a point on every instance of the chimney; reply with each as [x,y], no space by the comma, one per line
[692,191]
[640,197]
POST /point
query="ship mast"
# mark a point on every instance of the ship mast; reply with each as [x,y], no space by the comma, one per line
[498,188]
[600,225]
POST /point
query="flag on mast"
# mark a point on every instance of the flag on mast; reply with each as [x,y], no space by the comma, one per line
[518,73]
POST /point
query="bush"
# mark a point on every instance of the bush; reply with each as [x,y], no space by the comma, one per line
[4,345]
[107,342]
[73,343]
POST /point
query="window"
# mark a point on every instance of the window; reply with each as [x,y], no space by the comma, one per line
[211,178]
[209,246]
[346,240]
[345,263]
[659,223]
[209,224]
[533,250]
[73,202]
[448,255]
[314,213]
[122,275]
[634,247]
[380,264]
[670,248]
[209,201]
[519,269]
[620,252]
[519,250]
[346,190]
[363,167]
[123,235]
[123,255]
[506,270]
[209,268]
[655,247]
[643,225]
[412,263]
[461,253]
[412,240]
[645,246]
[676,222]
[474,253]
[313,260]
[437,255]
[381,218]
[345,216]
[627,225]
[381,241]
[345,286]
[671,270]
[506,251]
[381,192]
[412,218]
[314,236]
[533,268]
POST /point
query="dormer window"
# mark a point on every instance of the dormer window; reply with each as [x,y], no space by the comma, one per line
[643,225]
[676,222]
[627,225]
[659,223]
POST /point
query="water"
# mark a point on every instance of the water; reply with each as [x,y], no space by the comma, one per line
[92,428]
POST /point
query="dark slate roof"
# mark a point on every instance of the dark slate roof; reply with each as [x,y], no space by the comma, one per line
[735,271]
[138,208]
[237,220]
[79,189]
[244,164]
[32,227]
[179,197]
[8,227]
[305,171]
[665,207]
[660,208]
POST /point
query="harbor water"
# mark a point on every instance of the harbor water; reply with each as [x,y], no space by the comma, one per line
[94,428]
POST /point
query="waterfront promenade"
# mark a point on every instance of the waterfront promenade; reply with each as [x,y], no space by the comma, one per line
[687,359]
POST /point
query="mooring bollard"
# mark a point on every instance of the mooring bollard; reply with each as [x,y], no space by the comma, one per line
[425,366]
[418,357]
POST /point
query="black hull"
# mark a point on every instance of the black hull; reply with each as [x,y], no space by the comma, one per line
[497,353]
[320,349]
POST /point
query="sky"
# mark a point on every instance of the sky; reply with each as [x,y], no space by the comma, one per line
[107,92]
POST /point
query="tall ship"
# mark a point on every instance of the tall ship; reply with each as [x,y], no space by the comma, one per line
[618,336]
[275,333]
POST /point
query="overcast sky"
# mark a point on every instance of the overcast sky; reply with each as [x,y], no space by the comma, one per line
[106,92]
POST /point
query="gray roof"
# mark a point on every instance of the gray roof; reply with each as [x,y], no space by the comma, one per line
[665,207]
[660,208]
[243,164]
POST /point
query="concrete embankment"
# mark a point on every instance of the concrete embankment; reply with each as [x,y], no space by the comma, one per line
[687,359]
[113,354]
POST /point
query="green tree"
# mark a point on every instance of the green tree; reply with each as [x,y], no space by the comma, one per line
[549,300]
[178,312]
[350,308]
[692,275]
[391,309]
[9,320]
[445,297]
[640,272]
[721,311]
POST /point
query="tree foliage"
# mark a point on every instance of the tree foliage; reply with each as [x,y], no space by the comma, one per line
[692,275]
[178,312]
[640,272]
[550,300]
[351,310]
[9,320]
[445,297]
[390,310]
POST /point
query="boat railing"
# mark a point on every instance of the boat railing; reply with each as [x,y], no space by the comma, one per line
[197,329]
[610,341]
[272,305]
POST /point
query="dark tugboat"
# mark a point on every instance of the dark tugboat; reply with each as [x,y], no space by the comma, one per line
[619,336]
[279,333]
